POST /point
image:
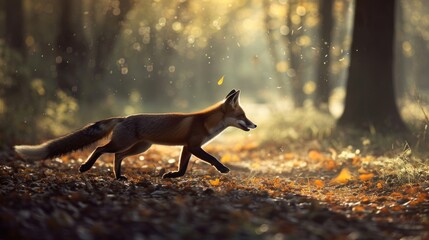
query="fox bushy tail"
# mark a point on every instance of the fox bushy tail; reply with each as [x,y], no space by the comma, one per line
[68,143]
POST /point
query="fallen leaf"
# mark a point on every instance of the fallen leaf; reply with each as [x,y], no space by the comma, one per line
[379,185]
[356,161]
[344,177]
[289,156]
[215,182]
[315,155]
[319,183]
[366,176]
[396,195]
[396,208]
[358,208]
[229,158]
[329,164]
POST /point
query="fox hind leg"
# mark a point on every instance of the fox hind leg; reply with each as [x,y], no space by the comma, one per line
[136,149]
[115,145]
[91,159]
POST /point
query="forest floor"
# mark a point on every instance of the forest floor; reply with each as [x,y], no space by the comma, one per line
[272,192]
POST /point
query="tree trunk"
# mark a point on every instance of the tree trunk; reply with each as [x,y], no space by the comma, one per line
[295,58]
[72,60]
[274,53]
[107,37]
[15,26]
[323,82]
[370,101]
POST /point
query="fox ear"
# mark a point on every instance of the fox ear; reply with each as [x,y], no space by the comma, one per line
[230,93]
[232,99]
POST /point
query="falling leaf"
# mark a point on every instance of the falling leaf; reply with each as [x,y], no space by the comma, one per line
[366,176]
[220,81]
[319,183]
[344,177]
[215,182]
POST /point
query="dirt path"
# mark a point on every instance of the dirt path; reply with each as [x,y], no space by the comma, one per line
[269,194]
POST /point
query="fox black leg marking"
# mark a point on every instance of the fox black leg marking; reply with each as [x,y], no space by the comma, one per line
[203,155]
[91,159]
[111,147]
[136,149]
[183,164]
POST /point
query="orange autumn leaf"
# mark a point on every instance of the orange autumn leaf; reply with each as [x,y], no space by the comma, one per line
[315,155]
[225,158]
[289,156]
[215,182]
[413,202]
[379,185]
[277,183]
[250,146]
[396,208]
[229,158]
[358,208]
[412,190]
[329,164]
[383,210]
[319,183]
[422,196]
[365,200]
[366,176]
[356,161]
[344,177]
[396,195]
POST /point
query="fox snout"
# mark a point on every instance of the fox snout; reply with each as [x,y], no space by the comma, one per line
[246,124]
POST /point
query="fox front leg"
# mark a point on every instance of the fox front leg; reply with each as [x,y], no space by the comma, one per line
[183,164]
[135,149]
[203,155]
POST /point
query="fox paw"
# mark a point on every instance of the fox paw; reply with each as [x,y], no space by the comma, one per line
[222,169]
[122,178]
[84,168]
[172,175]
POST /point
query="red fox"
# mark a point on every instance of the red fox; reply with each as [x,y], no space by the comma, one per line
[134,134]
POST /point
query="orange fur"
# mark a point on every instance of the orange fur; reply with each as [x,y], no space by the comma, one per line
[136,133]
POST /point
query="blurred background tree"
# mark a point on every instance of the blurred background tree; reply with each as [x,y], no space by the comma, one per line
[65,63]
[370,101]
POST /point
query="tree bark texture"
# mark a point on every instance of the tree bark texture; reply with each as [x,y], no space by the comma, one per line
[370,101]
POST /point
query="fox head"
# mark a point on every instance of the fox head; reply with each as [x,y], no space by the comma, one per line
[234,114]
